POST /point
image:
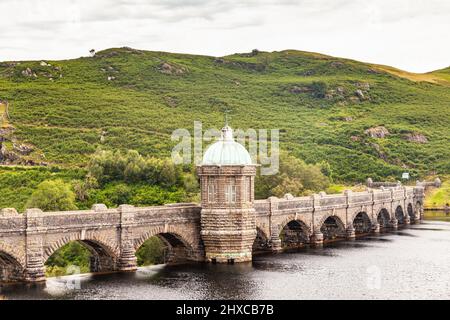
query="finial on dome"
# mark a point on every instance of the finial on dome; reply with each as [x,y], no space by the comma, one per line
[227,132]
[225,113]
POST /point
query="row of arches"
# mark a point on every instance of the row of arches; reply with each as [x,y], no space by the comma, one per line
[100,256]
[296,233]
[104,257]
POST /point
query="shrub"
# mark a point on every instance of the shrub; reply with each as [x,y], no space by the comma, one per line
[52,195]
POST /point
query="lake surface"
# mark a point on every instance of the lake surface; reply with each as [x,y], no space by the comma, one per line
[412,263]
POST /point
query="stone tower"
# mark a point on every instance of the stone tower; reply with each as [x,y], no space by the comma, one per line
[228,221]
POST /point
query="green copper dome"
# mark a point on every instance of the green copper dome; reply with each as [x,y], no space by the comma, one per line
[226,151]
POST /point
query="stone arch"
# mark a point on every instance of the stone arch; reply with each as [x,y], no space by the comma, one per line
[261,243]
[104,255]
[298,218]
[181,244]
[11,265]
[362,223]
[13,252]
[399,215]
[332,228]
[383,218]
[295,233]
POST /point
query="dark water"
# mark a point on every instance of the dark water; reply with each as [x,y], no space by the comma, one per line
[411,263]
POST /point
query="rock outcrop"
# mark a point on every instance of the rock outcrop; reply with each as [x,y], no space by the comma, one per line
[416,137]
[377,132]
[171,69]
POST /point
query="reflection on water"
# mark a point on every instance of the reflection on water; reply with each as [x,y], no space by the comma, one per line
[410,263]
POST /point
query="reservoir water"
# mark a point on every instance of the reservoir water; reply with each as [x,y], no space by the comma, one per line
[411,263]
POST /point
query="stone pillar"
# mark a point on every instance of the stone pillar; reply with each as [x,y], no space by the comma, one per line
[406,219]
[127,260]
[34,269]
[350,233]
[275,241]
[317,239]
[394,223]
[376,228]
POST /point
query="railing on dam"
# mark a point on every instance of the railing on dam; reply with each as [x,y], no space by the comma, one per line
[98,216]
[330,201]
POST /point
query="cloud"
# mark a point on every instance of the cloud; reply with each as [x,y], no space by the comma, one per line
[402,33]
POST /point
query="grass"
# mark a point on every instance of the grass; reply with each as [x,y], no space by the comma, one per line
[71,108]
[4,123]
[432,77]
[438,197]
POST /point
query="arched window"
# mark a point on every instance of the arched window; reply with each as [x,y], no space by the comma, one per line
[212,189]
[230,192]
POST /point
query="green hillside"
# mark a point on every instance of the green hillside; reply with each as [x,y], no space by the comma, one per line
[60,112]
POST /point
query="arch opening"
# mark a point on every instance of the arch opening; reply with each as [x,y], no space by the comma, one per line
[261,243]
[362,223]
[80,256]
[163,248]
[399,215]
[383,219]
[10,269]
[332,229]
[294,235]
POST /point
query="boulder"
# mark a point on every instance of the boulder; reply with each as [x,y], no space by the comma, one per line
[377,132]
[168,68]
[360,94]
[340,90]
[27,72]
[416,137]
[337,64]
[297,89]
[23,148]
[363,85]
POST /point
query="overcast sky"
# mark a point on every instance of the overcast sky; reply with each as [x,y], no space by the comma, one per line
[409,34]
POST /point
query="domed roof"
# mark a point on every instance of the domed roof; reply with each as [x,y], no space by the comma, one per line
[226,151]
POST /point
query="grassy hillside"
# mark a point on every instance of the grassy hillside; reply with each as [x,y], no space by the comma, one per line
[438,197]
[62,111]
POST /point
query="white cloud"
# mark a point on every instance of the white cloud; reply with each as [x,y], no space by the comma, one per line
[412,35]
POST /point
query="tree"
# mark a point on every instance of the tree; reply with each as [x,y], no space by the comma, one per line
[151,252]
[52,195]
[295,177]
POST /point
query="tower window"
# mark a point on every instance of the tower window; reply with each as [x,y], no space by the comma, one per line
[230,193]
[211,191]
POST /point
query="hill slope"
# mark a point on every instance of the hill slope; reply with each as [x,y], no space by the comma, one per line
[62,111]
